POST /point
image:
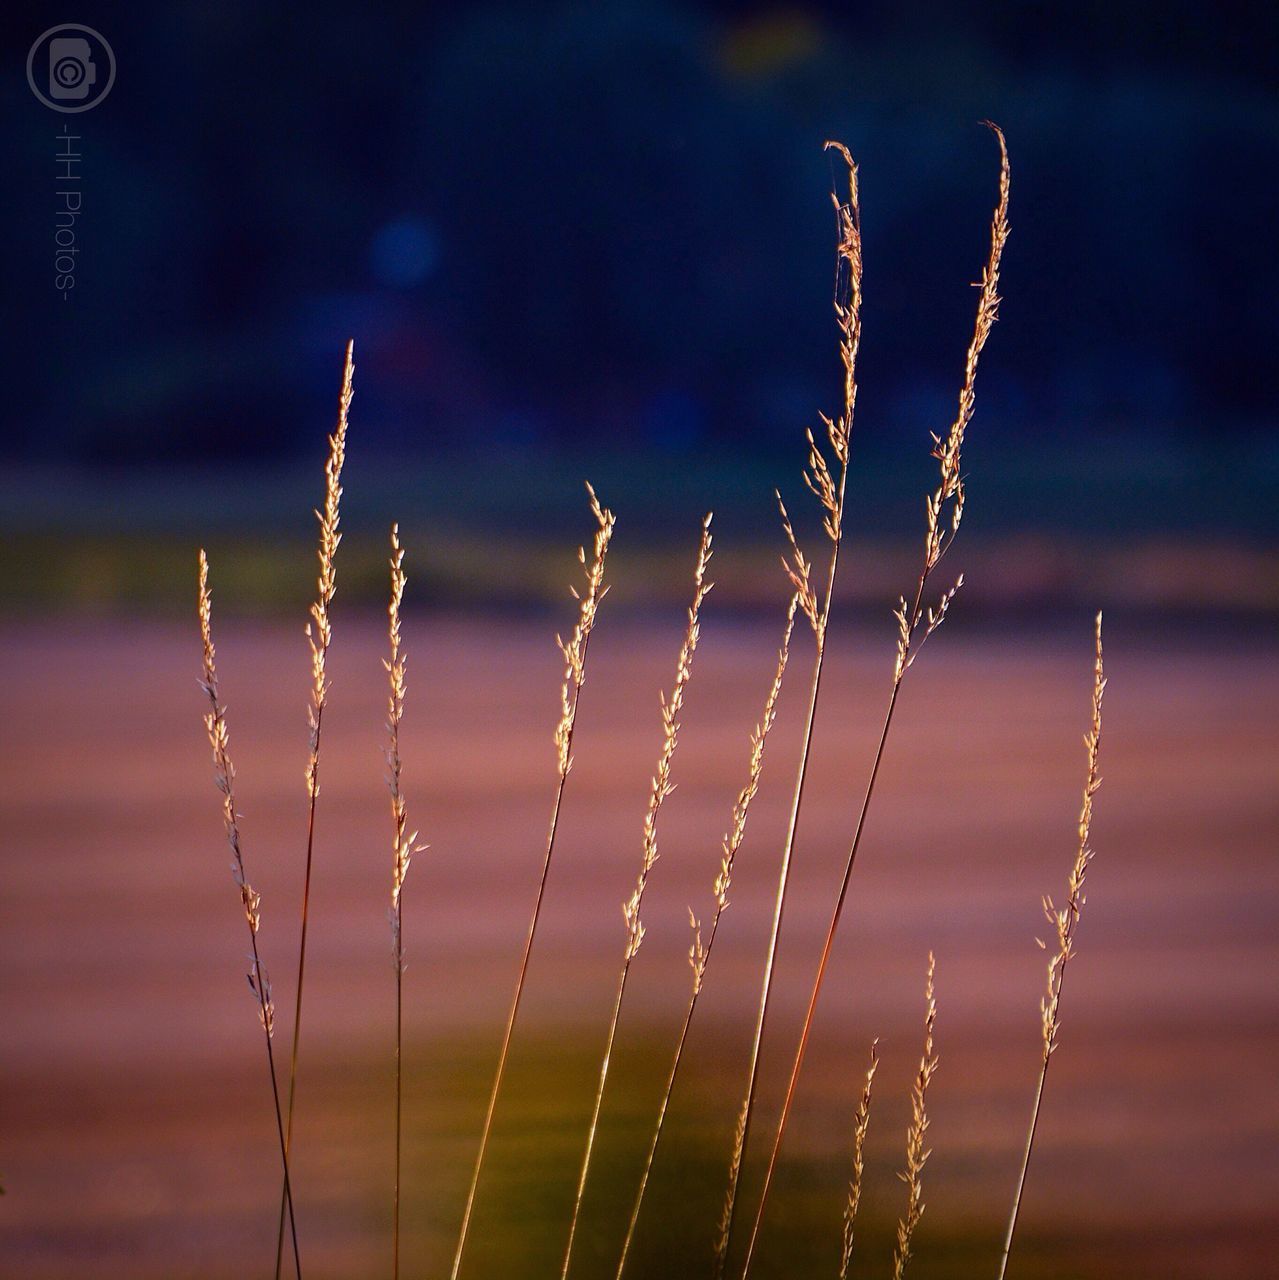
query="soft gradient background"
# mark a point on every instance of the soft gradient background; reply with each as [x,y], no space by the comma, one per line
[596,242]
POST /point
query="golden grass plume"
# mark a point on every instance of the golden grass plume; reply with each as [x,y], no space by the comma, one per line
[829,490]
[1065,921]
[917,1152]
[215,722]
[573,650]
[861,1124]
[944,510]
[403,846]
[319,633]
[699,953]
[660,788]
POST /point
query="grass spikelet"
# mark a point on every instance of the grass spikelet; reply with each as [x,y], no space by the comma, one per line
[319,632]
[916,1133]
[574,652]
[699,953]
[1065,921]
[861,1123]
[915,623]
[829,490]
[215,723]
[661,788]
[404,845]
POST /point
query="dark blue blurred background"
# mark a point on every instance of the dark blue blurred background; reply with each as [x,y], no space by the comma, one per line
[572,234]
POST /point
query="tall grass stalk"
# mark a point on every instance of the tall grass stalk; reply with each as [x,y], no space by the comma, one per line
[861,1125]
[829,490]
[944,510]
[660,789]
[215,723]
[916,1133]
[574,654]
[319,634]
[1065,920]
[404,846]
[700,953]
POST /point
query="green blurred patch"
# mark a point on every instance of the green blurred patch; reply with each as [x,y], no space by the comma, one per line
[155,574]
[1169,532]
[268,575]
[525,1201]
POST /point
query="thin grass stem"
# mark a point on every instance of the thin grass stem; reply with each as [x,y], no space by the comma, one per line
[319,633]
[861,1124]
[1065,921]
[215,723]
[404,846]
[699,954]
[660,789]
[574,653]
[916,1134]
[944,510]
[830,493]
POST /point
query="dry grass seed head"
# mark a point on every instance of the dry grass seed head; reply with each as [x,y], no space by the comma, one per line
[1065,920]
[319,630]
[917,1152]
[404,844]
[848,300]
[736,833]
[574,649]
[861,1123]
[734,1173]
[799,571]
[817,475]
[215,724]
[944,507]
[948,452]
[661,786]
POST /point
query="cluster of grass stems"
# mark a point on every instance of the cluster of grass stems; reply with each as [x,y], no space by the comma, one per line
[811,597]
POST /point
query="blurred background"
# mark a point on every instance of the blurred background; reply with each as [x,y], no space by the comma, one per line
[595,242]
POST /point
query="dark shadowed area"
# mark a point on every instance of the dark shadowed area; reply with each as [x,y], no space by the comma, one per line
[577,239]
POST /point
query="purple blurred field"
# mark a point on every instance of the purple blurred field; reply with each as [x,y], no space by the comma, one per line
[137,1136]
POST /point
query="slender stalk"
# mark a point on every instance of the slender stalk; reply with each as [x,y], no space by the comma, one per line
[1064,921]
[224,777]
[574,652]
[944,510]
[699,955]
[319,635]
[1025,1166]
[399,1099]
[916,1153]
[861,1124]
[403,847]
[830,493]
[661,788]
